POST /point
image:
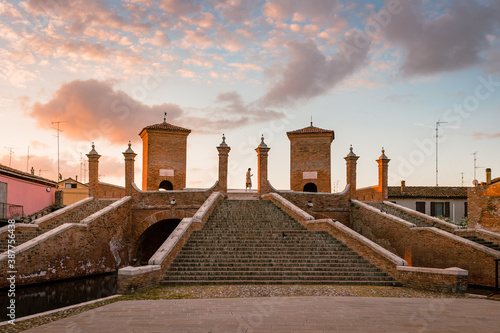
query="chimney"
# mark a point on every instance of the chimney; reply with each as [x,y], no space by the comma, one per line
[488,176]
[403,186]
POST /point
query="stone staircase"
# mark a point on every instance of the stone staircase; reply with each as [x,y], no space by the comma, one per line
[243,243]
[481,241]
[24,234]
[422,223]
[401,214]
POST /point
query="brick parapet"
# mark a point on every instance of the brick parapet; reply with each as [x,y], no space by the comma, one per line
[322,205]
[99,245]
[451,280]
[425,247]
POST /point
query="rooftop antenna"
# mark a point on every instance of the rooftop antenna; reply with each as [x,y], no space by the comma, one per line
[439,122]
[311,121]
[40,172]
[475,164]
[462,178]
[28,159]
[11,152]
[58,131]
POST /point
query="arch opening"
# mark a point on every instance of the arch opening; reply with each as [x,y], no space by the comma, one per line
[310,187]
[166,185]
[153,237]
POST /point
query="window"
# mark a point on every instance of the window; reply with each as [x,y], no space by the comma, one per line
[166,185]
[466,212]
[420,206]
[69,185]
[440,209]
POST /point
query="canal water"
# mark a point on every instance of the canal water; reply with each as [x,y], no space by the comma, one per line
[53,295]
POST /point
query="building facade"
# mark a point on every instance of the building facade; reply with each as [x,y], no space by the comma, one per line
[310,159]
[164,157]
[22,193]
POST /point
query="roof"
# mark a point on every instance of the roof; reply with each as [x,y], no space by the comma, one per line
[72,180]
[310,130]
[428,192]
[166,127]
[8,171]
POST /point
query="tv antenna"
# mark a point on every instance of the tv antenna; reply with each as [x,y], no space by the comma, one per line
[28,159]
[475,165]
[11,152]
[58,131]
[439,122]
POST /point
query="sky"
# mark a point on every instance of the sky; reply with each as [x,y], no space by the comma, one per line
[378,73]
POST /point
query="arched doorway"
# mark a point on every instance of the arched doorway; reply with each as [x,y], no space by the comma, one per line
[153,237]
[310,187]
[166,185]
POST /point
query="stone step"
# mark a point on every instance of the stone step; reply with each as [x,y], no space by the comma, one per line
[242,242]
[280,282]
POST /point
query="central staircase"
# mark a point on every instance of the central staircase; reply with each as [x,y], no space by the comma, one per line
[255,242]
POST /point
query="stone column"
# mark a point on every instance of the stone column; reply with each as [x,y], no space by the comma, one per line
[351,161]
[129,168]
[383,176]
[93,157]
[262,154]
[223,149]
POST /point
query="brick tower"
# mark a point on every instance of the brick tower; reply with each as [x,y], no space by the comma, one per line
[164,157]
[310,167]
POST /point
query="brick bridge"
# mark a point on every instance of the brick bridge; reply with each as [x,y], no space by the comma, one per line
[142,233]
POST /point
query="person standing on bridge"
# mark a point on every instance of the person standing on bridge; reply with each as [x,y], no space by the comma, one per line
[249,180]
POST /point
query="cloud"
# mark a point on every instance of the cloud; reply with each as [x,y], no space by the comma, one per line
[401,98]
[485,136]
[93,110]
[451,41]
[318,11]
[310,73]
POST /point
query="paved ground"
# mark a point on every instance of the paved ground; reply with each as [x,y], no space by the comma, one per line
[287,314]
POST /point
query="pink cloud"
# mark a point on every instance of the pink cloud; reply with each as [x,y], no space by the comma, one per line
[485,136]
[94,110]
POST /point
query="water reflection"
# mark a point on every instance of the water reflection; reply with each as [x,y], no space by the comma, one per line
[54,295]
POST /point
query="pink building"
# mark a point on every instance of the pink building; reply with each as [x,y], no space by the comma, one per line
[23,193]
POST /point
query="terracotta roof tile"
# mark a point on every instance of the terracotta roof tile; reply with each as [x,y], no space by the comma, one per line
[428,192]
[25,175]
[167,127]
[310,130]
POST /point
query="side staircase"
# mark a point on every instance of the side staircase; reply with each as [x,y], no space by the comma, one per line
[419,222]
[401,214]
[24,234]
[255,242]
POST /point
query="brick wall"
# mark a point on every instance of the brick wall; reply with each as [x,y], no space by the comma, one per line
[164,150]
[484,207]
[110,191]
[98,244]
[308,153]
[331,205]
[424,247]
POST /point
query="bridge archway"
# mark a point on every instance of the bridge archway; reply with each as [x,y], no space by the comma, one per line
[153,237]
[310,187]
[166,185]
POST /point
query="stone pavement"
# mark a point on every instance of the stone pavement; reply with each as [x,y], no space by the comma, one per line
[287,314]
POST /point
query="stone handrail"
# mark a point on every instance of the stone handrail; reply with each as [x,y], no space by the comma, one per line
[389,216]
[292,210]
